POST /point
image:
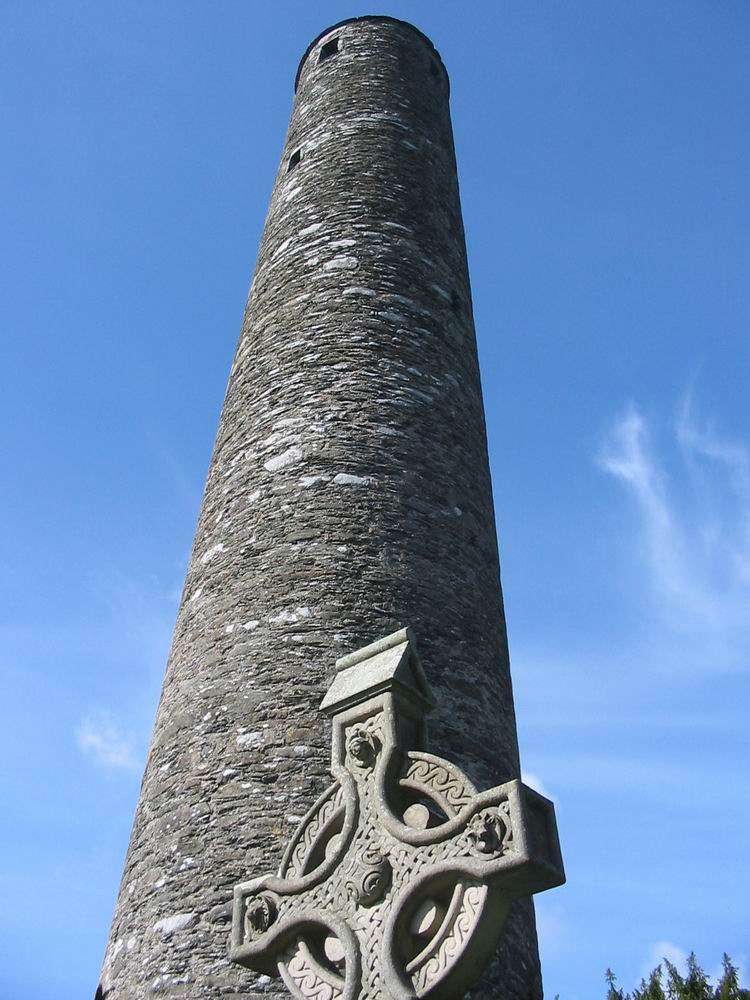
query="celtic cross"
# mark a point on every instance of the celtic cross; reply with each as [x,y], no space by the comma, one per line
[397,882]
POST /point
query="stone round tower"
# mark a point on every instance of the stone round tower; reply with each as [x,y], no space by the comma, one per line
[348,495]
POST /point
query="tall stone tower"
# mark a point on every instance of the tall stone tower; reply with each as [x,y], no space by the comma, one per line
[348,495]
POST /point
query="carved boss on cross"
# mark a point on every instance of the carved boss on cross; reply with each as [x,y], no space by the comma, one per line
[398,880]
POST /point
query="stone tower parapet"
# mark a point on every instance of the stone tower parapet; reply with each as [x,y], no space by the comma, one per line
[348,494]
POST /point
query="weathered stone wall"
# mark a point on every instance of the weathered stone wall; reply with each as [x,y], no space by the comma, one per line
[348,495]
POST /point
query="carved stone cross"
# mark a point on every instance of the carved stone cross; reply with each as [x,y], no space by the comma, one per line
[397,882]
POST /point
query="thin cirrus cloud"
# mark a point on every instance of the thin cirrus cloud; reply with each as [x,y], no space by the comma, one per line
[667,951]
[100,738]
[535,782]
[693,505]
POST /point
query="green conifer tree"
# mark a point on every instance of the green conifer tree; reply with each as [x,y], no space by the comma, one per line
[729,987]
[694,985]
[613,993]
[651,990]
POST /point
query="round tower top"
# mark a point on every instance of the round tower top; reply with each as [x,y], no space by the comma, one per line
[377,19]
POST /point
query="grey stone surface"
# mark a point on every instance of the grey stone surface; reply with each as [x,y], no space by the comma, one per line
[348,494]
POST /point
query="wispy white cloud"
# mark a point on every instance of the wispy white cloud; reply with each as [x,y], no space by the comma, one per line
[99,737]
[535,782]
[706,452]
[665,950]
[659,952]
[679,958]
[693,528]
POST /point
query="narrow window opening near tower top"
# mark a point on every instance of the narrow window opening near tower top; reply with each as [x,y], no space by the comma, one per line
[328,49]
[294,160]
[434,69]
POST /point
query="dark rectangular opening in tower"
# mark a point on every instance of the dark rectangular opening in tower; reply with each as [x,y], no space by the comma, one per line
[294,160]
[329,49]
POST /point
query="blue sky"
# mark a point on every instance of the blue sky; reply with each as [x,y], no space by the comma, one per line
[604,158]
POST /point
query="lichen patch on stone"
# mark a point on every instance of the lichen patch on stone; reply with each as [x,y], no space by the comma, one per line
[178,922]
[289,457]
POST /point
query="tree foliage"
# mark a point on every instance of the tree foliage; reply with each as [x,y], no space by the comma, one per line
[666,983]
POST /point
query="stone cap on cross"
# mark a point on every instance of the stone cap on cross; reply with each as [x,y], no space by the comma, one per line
[391,664]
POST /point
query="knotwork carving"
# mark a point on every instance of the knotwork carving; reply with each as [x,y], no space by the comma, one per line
[397,881]
[367,877]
